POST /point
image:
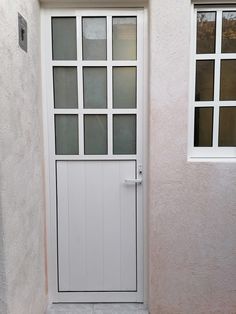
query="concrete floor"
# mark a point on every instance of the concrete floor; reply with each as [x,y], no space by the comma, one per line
[98,308]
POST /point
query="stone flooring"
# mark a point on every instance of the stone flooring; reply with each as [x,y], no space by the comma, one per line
[97,308]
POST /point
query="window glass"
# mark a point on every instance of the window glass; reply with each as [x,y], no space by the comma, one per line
[203,127]
[124,87]
[95,87]
[95,134]
[65,87]
[206,32]
[94,38]
[229,31]
[66,132]
[204,80]
[64,38]
[228,80]
[124,38]
[227,129]
[124,134]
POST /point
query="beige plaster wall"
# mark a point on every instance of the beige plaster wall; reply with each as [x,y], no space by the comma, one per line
[192,218]
[22,275]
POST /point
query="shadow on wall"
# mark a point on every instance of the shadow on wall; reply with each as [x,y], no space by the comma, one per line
[3,305]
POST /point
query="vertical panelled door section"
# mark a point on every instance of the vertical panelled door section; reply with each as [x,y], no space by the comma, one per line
[95,139]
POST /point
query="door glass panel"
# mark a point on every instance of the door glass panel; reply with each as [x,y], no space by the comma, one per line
[124,87]
[94,38]
[203,127]
[124,134]
[64,38]
[228,80]
[65,87]
[227,130]
[124,40]
[204,80]
[229,32]
[95,134]
[95,87]
[66,131]
[206,32]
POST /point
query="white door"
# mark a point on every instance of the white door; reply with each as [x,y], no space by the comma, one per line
[93,67]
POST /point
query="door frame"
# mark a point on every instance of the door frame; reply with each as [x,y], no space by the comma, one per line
[50,163]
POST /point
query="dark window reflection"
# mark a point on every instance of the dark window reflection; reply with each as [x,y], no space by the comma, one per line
[227,130]
[228,80]
[203,127]
[229,32]
[204,80]
[206,32]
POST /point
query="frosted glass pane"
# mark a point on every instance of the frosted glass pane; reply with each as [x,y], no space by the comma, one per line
[65,87]
[228,80]
[95,87]
[94,38]
[64,38]
[203,128]
[124,87]
[95,134]
[227,130]
[206,32]
[229,32]
[124,134]
[66,130]
[124,38]
[204,80]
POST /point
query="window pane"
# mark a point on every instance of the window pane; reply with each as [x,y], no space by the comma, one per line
[204,80]
[124,87]
[124,134]
[95,134]
[229,32]
[94,38]
[65,87]
[203,126]
[124,39]
[227,130]
[95,87]
[228,80]
[206,32]
[66,130]
[64,38]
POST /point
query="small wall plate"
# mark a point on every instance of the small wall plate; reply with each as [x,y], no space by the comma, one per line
[22,32]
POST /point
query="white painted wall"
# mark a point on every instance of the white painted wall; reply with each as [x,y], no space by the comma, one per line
[22,274]
[192,220]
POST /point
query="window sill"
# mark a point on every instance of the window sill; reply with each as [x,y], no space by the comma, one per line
[212,159]
[99,3]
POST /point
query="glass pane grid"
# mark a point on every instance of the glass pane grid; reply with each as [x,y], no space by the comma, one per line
[216,83]
[78,104]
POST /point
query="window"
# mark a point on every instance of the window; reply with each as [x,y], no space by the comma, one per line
[96,74]
[213,92]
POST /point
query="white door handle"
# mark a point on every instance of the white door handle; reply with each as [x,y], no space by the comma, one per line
[133,181]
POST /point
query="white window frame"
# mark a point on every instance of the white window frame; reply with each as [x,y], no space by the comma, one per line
[214,153]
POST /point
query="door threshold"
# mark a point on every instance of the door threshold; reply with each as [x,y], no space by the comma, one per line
[97,308]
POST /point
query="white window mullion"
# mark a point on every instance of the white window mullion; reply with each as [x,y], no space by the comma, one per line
[80,84]
[216,126]
[218,31]
[109,86]
[217,77]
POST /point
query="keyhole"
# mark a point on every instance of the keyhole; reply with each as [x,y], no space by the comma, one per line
[22,34]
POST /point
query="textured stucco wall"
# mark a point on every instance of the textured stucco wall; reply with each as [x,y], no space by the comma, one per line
[192,219]
[22,198]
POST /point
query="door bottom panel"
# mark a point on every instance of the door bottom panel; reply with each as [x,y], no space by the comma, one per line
[97,227]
